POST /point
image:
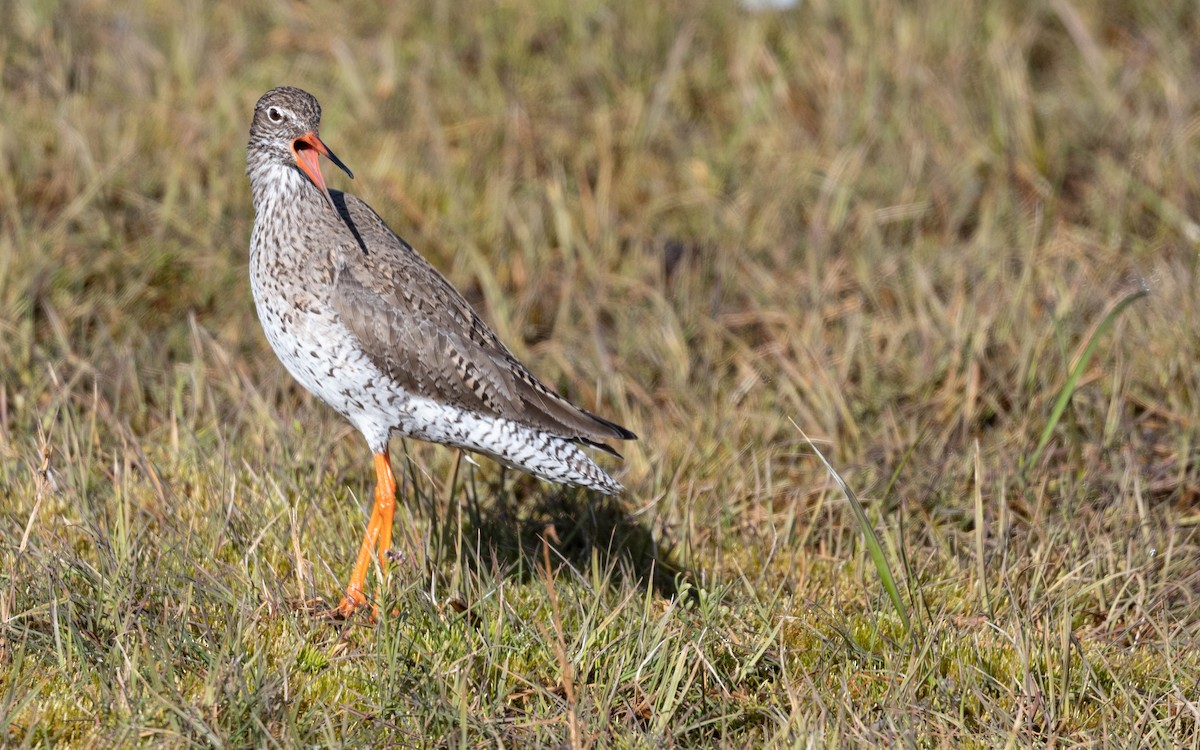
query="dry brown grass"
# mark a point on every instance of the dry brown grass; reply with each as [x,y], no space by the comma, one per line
[893,225]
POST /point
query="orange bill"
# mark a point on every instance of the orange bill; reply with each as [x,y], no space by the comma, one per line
[307,150]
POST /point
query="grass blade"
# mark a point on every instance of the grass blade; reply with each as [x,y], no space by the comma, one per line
[868,532]
[1077,370]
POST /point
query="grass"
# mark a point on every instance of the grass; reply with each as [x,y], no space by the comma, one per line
[903,229]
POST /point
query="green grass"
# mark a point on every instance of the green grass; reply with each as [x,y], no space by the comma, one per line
[903,229]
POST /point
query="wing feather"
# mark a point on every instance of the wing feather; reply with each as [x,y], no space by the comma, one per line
[419,330]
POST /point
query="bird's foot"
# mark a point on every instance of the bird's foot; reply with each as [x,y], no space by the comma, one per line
[350,603]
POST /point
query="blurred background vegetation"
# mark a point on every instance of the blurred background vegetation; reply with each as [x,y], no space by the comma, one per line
[893,225]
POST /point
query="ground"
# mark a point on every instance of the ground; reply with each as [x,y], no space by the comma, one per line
[955,244]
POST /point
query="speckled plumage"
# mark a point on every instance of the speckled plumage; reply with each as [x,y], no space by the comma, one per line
[367,325]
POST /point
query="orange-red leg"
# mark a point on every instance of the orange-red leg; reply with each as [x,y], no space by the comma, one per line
[385,504]
[378,536]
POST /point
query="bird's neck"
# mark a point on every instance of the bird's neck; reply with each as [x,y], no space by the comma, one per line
[278,187]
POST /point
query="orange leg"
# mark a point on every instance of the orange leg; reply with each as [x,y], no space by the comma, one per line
[378,536]
[385,505]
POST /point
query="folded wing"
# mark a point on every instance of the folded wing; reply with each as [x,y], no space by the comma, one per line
[420,331]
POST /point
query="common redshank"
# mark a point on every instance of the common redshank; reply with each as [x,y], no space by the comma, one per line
[373,330]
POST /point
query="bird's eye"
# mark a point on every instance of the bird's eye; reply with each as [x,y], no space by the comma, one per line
[275,115]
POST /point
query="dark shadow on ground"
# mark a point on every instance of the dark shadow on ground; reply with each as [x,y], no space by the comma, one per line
[509,529]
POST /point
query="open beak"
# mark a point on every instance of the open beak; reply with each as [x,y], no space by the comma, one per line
[307,149]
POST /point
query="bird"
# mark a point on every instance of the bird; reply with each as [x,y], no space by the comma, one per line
[372,329]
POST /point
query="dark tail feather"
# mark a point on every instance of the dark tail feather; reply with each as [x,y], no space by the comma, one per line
[618,432]
[603,447]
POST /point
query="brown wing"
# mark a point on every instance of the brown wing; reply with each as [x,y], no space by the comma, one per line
[419,330]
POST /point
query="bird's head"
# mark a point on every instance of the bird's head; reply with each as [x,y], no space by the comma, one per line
[284,130]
